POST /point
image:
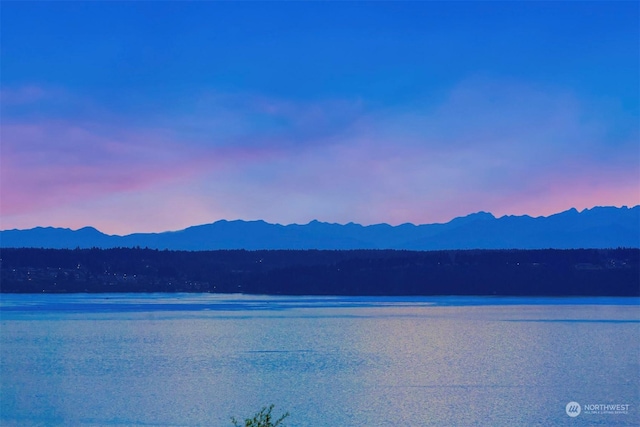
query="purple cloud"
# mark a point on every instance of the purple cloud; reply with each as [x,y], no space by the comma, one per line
[509,148]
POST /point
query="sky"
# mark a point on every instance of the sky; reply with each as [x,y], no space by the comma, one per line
[155,116]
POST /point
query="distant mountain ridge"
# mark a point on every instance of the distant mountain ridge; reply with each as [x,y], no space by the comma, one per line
[599,227]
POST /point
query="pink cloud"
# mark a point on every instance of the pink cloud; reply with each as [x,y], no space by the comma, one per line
[504,148]
[56,163]
[487,147]
[23,95]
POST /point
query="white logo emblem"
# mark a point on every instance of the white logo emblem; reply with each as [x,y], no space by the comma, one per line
[573,409]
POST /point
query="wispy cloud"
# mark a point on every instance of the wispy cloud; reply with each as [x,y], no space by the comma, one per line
[10,97]
[44,164]
[504,147]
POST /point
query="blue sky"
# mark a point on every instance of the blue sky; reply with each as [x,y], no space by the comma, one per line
[152,116]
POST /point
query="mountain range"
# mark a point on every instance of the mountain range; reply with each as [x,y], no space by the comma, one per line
[599,227]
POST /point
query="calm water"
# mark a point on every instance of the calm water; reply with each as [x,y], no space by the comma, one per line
[192,360]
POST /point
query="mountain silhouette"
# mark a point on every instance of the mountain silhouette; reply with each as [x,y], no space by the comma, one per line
[599,227]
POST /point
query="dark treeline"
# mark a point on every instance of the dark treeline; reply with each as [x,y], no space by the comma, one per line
[549,272]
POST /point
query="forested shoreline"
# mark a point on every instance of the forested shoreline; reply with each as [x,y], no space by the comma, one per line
[550,272]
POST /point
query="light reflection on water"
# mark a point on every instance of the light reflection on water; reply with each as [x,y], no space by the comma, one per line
[184,359]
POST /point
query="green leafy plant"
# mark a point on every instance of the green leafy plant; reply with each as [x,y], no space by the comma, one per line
[262,419]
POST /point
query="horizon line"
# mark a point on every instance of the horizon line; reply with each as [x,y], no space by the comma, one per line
[481,212]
